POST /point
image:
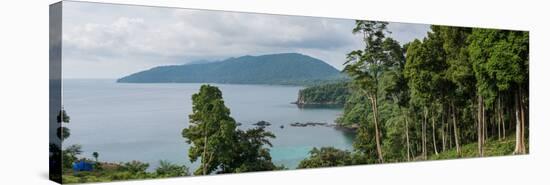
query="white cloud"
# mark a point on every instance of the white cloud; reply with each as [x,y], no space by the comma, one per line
[118,39]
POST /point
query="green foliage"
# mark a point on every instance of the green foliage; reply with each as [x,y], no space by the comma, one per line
[365,66]
[284,69]
[211,131]
[499,60]
[354,108]
[216,141]
[252,155]
[125,171]
[70,155]
[134,167]
[425,70]
[334,93]
[167,169]
[62,117]
[327,157]
[96,155]
[493,147]
[63,133]
[437,82]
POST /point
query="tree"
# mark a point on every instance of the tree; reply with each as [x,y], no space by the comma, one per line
[252,155]
[63,132]
[69,155]
[396,93]
[459,72]
[500,61]
[326,157]
[211,131]
[425,71]
[366,66]
[96,155]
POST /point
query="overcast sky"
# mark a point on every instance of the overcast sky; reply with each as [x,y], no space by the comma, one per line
[111,41]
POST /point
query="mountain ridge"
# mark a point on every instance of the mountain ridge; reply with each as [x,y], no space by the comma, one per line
[280,68]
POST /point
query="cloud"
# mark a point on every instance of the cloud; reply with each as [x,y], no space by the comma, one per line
[114,40]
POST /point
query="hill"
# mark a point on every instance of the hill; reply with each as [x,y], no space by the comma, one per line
[284,69]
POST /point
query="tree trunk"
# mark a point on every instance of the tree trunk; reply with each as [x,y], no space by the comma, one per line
[443,131]
[457,144]
[407,137]
[205,161]
[501,115]
[480,128]
[433,133]
[520,125]
[483,121]
[424,151]
[522,108]
[497,111]
[376,130]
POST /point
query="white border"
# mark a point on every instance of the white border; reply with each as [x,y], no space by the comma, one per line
[24,98]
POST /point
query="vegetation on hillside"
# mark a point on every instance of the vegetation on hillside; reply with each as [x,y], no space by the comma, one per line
[327,94]
[438,95]
[133,170]
[277,69]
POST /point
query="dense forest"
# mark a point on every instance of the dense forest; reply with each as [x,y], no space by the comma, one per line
[450,95]
[325,94]
[277,69]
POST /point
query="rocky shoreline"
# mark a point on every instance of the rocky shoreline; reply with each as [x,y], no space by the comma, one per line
[351,128]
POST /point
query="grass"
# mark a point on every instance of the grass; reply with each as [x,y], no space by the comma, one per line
[492,147]
[109,172]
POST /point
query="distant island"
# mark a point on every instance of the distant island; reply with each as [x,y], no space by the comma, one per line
[276,69]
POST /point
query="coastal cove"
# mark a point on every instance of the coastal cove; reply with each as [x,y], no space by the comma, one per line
[150,117]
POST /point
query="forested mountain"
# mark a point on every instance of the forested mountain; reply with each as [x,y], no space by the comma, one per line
[284,68]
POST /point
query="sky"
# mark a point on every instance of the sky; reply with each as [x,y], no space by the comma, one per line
[112,41]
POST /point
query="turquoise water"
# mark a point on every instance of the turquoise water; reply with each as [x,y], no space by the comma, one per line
[124,122]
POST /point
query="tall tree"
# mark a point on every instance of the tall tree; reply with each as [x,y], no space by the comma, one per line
[221,147]
[425,71]
[459,72]
[367,65]
[501,59]
[396,92]
[211,131]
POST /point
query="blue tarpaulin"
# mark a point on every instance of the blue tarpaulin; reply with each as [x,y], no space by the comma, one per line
[82,166]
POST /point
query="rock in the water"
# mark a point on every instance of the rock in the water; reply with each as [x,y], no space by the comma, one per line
[298,124]
[262,123]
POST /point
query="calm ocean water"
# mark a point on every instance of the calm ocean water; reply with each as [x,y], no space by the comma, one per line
[124,122]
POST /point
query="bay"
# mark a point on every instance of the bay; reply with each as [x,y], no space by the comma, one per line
[124,122]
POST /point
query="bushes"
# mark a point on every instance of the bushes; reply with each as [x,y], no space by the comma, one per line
[167,169]
[327,157]
[107,172]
